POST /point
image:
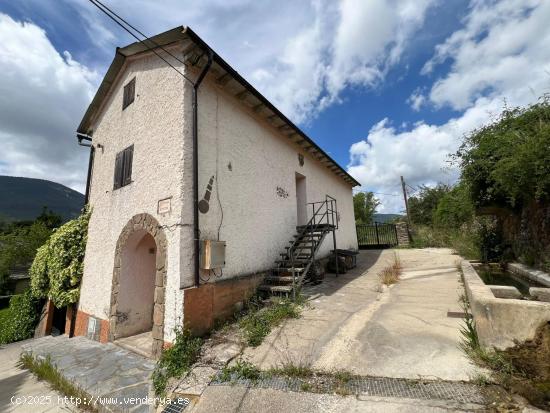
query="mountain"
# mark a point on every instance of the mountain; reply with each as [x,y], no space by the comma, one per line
[382,218]
[24,198]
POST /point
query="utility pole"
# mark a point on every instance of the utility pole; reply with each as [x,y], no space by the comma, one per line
[406,201]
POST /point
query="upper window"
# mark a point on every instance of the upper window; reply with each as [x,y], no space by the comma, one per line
[129,93]
[123,167]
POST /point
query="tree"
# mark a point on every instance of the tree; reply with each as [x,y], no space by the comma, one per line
[364,206]
[507,163]
[423,205]
[455,208]
[20,240]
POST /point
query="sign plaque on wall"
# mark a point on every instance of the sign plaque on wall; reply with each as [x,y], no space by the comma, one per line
[164,206]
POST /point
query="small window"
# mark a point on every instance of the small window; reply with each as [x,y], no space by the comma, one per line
[129,93]
[123,167]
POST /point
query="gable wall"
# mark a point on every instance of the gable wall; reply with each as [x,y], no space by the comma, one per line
[155,125]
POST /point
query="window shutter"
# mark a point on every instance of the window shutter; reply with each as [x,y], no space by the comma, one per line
[128,157]
[118,170]
[129,93]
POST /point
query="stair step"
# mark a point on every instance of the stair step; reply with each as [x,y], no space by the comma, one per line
[320,227]
[288,269]
[308,235]
[279,278]
[296,261]
[302,247]
[275,288]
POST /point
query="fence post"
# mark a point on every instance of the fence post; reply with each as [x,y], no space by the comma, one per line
[376,229]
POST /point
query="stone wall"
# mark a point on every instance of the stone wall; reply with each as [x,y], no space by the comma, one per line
[526,234]
[403,236]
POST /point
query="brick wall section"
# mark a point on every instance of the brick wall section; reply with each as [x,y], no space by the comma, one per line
[81,326]
[44,327]
[216,301]
[402,230]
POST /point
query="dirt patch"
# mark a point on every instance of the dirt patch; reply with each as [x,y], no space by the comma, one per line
[531,360]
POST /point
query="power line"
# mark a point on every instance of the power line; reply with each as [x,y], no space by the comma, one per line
[113,16]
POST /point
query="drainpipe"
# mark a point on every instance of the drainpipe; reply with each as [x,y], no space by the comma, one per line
[196,165]
[82,137]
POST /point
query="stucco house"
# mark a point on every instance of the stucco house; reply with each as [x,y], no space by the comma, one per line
[200,189]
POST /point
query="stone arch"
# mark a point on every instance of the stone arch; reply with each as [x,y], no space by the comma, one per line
[147,224]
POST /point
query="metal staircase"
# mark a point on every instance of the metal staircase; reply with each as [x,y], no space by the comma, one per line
[287,277]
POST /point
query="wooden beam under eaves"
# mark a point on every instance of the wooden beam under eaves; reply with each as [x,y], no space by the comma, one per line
[223,79]
[242,94]
[258,108]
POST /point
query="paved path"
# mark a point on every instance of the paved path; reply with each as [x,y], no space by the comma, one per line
[19,385]
[401,332]
[120,378]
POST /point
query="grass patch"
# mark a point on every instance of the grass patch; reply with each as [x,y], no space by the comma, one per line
[241,370]
[390,274]
[176,360]
[45,370]
[462,240]
[258,321]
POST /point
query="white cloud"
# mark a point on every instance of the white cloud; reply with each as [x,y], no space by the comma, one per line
[499,57]
[352,43]
[417,99]
[301,55]
[43,98]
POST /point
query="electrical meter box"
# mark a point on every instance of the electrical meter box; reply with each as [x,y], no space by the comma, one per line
[212,254]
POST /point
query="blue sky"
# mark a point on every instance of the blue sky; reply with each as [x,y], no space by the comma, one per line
[387,87]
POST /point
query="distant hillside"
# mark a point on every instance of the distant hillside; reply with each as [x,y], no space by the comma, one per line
[24,198]
[385,217]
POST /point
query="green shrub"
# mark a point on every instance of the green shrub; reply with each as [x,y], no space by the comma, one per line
[17,322]
[58,265]
[176,360]
[507,162]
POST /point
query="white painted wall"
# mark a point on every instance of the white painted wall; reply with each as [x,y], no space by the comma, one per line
[155,126]
[251,160]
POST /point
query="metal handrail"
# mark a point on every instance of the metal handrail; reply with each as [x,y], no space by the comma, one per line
[331,214]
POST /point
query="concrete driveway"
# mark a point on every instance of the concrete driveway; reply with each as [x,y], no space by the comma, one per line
[403,331]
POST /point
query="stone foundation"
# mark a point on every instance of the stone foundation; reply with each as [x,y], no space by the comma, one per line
[217,301]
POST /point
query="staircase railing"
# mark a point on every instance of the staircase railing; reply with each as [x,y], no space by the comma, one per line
[323,213]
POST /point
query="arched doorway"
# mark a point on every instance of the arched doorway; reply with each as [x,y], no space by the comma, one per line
[139,279]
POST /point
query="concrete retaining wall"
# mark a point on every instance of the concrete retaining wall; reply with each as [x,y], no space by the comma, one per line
[501,322]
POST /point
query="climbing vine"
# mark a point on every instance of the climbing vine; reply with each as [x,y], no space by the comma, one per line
[58,265]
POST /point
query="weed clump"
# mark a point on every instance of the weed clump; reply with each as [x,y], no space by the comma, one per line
[257,323]
[45,370]
[390,274]
[176,360]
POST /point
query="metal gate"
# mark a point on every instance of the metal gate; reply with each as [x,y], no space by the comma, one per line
[376,235]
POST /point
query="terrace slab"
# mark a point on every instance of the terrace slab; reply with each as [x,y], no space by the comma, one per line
[119,379]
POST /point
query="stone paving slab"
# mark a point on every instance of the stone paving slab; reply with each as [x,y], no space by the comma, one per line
[101,370]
